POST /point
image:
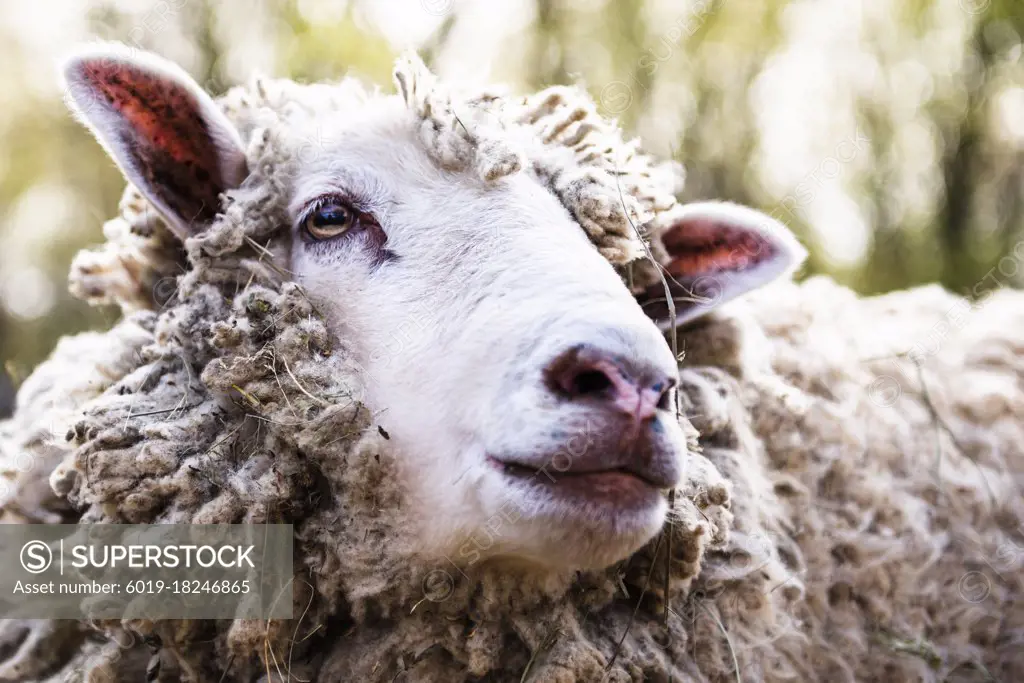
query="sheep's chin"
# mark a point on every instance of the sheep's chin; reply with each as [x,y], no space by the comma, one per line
[591,541]
[578,522]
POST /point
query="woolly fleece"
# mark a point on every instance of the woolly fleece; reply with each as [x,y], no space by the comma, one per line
[852,509]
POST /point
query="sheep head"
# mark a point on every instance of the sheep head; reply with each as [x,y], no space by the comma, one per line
[465,252]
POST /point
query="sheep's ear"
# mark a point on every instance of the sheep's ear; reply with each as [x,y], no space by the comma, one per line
[717,252]
[167,136]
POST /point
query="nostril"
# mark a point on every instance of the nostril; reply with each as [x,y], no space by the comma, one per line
[585,373]
[664,392]
[590,382]
[578,374]
[576,380]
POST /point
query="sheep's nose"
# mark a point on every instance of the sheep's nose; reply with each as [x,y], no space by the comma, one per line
[620,382]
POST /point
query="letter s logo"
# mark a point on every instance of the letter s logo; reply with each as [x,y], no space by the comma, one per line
[36,557]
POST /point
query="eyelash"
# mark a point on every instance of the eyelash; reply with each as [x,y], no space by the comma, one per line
[353,204]
[322,201]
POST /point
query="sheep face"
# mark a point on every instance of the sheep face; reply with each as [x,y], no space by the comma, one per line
[529,395]
[529,398]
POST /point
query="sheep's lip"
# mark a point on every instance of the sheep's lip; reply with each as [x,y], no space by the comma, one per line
[550,475]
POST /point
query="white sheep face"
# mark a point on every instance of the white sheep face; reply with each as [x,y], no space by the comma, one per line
[460,298]
[529,397]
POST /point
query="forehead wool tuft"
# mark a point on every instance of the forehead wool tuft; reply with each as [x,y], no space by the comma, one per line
[609,186]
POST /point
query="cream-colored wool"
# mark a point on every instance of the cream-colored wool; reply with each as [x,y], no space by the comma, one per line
[849,513]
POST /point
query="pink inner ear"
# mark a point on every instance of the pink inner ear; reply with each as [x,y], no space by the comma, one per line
[166,133]
[700,247]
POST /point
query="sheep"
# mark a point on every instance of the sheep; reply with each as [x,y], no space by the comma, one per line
[846,504]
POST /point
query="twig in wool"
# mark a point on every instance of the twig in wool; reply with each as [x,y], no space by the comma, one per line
[263,418]
[273,321]
[545,645]
[266,252]
[780,584]
[291,646]
[206,475]
[471,137]
[301,388]
[143,383]
[728,641]
[622,585]
[319,315]
[267,648]
[167,410]
[989,678]
[937,418]
[247,396]
[941,422]
[668,556]
[229,435]
[272,367]
[636,608]
[344,435]
[938,436]
[188,387]
[702,513]
[227,668]
[669,300]
[675,353]
[918,648]
[281,592]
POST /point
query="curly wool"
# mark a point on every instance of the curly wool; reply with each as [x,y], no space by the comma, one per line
[813,538]
[609,186]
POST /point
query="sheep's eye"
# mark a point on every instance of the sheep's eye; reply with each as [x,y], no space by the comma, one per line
[330,220]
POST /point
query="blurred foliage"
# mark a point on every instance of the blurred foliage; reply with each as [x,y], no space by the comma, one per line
[889,134]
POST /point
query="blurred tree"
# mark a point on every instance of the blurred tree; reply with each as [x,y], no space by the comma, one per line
[328,48]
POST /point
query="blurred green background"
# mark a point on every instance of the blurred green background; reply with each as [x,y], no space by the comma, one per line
[889,134]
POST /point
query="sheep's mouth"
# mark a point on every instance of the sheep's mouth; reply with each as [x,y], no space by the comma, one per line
[618,483]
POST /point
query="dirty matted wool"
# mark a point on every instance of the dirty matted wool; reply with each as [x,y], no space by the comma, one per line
[851,511]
